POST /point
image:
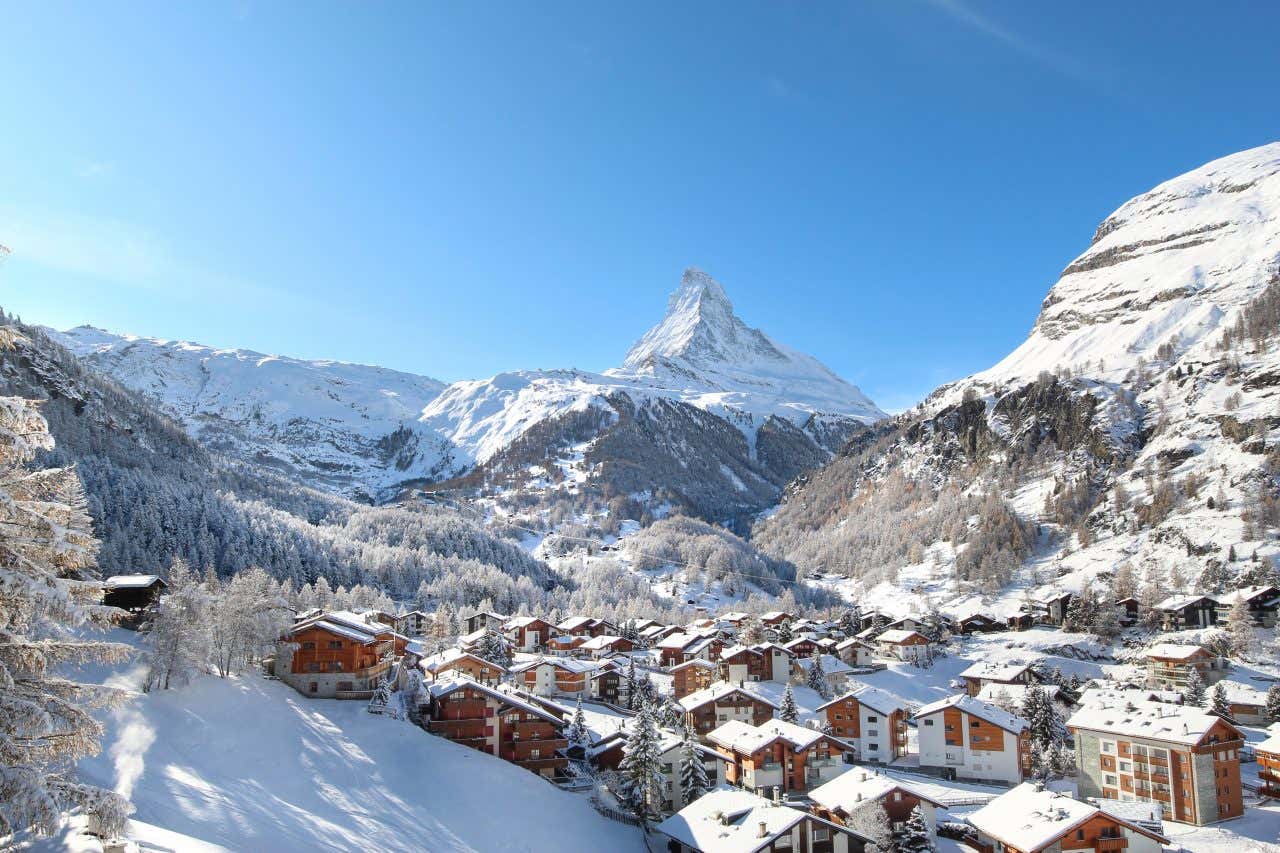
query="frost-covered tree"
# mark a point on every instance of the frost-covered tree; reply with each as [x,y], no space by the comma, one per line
[641,765]
[494,648]
[817,680]
[1273,703]
[245,617]
[630,685]
[47,567]
[381,697]
[1193,694]
[177,634]
[752,631]
[577,733]
[693,772]
[1046,728]
[1240,628]
[789,712]
[915,837]
[872,822]
[1219,703]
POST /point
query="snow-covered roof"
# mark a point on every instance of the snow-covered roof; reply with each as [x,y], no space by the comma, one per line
[575,622]
[748,739]
[567,664]
[859,785]
[130,581]
[522,622]
[729,821]
[699,662]
[596,644]
[1153,720]
[718,691]
[442,660]
[1272,743]
[1249,593]
[1031,817]
[343,623]
[1178,602]
[872,697]
[993,670]
[831,664]
[1175,651]
[730,651]
[1142,813]
[976,708]
[446,686]
[851,642]
[1101,695]
[898,636]
[1016,693]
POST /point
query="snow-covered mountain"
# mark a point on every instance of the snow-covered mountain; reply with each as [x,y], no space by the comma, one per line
[1135,433]
[709,398]
[331,424]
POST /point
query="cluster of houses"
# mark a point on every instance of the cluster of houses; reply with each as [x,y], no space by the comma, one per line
[1142,756]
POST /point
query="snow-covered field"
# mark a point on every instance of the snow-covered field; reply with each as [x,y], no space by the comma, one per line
[248,764]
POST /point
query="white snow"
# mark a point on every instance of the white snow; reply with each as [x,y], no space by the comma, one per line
[249,764]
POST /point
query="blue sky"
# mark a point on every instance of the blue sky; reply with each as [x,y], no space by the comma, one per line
[459,189]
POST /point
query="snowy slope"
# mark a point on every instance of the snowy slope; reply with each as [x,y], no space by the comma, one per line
[248,764]
[1172,264]
[1133,391]
[330,423]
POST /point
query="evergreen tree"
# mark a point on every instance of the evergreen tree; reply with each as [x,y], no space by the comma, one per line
[47,569]
[577,733]
[1273,703]
[1193,694]
[784,633]
[817,680]
[1218,703]
[1046,728]
[1240,628]
[789,712]
[629,685]
[915,837]
[381,697]
[693,772]
[494,648]
[641,766]
[872,822]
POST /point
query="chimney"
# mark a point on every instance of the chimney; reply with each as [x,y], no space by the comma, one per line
[863,777]
[763,831]
[777,795]
[858,797]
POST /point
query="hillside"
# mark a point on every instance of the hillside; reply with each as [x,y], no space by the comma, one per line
[324,774]
[1135,432]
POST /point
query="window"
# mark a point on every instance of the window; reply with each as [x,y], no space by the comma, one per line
[873,747]
[928,722]
[313,667]
[1108,746]
[335,644]
[535,753]
[871,718]
[1110,780]
[1124,767]
[308,647]
[973,724]
[821,833]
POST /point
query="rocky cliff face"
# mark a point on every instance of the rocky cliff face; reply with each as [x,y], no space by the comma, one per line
[1137,426]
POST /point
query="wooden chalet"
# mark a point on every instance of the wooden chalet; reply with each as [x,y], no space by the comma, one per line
[777,755]
[735,821]
[722,702]
[337,655]
[870,720]
[133,593]
[692,676]
[842,796]
[528,633]
[498,723]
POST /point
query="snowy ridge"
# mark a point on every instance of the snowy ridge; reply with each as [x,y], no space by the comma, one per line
[321,420]
[1172,265]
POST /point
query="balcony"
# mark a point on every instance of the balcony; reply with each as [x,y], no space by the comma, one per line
[1105,845]
[353,694]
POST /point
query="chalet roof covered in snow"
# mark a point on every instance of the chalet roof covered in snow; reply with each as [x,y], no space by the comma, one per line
[729,821]
[1031,817]
[1015,693]
[899,636]
[1153,720]
[995,670]
[872,697]
[131,581]
[574,665]
[600,643]
[831,664]
[718,691]
[748,739]
[1180,602]
[1272,743]
[1175,651]
[446,686]
[437,662]
[851,789]
[701,663]
[977,708]
[344,623]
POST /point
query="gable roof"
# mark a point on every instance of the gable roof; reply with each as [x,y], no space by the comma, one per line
[1176,651]
[447,658]
[748,739]
[859,785]
[1178,602]
[873,697]
[728,821]
[899,636]
[996,670]
[131,581]
[344,623]
[1030,817]
[444,687]
[977,708]
[718,691]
